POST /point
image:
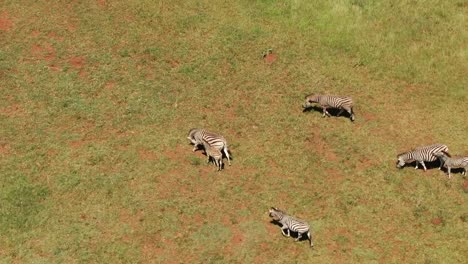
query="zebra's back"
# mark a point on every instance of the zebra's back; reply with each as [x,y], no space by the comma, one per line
[336,101]
[456,162]
[426,153]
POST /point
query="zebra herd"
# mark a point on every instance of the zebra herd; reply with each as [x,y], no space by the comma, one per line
[215,146]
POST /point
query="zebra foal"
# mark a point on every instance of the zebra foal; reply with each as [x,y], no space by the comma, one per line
[420,155]
[291,223]
[215,154]
[343,103]
[199,136]
[452,162]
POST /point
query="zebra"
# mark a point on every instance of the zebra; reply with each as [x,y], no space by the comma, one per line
[331,101]
[421,154]
[452,162]
[215,154]
[199,135]
[291,223]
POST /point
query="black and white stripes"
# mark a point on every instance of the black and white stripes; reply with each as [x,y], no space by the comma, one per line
[420,155]
[452,162]
[291,223]
[331,101]
[199,137]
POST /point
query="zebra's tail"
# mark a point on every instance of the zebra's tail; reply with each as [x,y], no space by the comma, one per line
[352,114]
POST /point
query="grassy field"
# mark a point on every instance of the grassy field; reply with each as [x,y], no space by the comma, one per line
[97,98]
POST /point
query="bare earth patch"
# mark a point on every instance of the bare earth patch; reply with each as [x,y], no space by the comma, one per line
[6,24]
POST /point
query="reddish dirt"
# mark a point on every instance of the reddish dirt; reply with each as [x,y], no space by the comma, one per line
[437,221]
[102,3]
[368,116]
[365,163]
[179,151]
[316,143]
[14,110]
[4,148]
[465,186]
[45,52]
[77,62]
[146,154]
[6,24]
[270,58]
[109,85]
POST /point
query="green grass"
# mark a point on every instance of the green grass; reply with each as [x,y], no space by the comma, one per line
[98,97]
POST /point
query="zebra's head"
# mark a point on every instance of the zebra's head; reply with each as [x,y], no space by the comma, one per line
[276,213]
[309,100]
[400,161]
[191,136]
[443,155]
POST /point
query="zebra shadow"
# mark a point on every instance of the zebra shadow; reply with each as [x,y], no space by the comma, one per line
[429,165]
[200,147]
[292,233]
[333,111]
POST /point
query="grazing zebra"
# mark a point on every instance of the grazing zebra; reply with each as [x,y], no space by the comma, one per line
[291,223]
[421,154]
[331,101]
[198,135]
[215,154]
[452,162]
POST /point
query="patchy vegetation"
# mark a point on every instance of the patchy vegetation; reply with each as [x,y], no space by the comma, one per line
[98,96]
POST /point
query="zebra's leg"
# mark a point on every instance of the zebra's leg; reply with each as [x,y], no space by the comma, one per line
[351,112]
[448,169]
[227,155]
[424,165]
[340,112]
[284,234]
[325,112]
[299,235]
[309,236]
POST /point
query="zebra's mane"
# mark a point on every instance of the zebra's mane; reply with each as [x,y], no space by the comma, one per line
[401,154]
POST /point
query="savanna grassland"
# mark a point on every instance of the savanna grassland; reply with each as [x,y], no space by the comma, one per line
[97,98]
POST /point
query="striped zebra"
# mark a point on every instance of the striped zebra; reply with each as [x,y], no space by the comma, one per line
[291,223]
[420,155]
[215,154]
[198,135]
[452,162]
[331,101]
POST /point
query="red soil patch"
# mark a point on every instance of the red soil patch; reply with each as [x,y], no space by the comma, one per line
[176,153]
[35,33]
[53,35]
[77,62]
[146,154]
[4,148]
[133,220]
[102,3]
[46,52]
[109,85]
[320,146]
[437,221]
[368,117]
[270,58]
[465,186]
[335,175]
[364,164]
[5,22]
[13,110]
